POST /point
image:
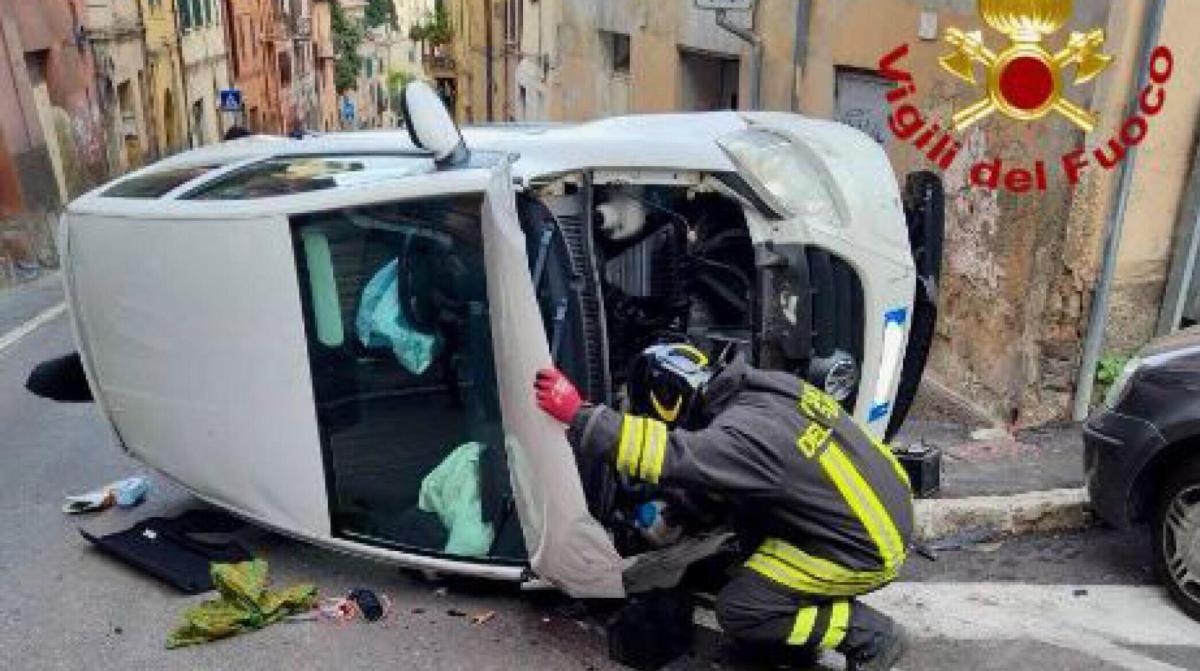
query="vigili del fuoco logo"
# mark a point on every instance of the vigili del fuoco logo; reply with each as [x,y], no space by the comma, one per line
[1025,82]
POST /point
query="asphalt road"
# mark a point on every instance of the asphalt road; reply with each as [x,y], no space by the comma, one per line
[1075,602]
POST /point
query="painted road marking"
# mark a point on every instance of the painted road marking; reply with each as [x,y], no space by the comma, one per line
[1100,621]
[14,336]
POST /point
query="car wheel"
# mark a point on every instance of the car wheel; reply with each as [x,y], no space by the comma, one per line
[1177,537]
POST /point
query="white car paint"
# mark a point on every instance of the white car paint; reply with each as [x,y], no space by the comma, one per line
[235,422]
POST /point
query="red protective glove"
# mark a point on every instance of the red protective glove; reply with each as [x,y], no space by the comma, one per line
[557,395]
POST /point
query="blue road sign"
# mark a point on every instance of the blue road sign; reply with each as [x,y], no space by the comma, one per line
[231,100]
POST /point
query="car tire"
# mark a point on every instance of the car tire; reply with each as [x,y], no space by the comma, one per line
[1176,534]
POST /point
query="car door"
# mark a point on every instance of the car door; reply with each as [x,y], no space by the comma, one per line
[566,545]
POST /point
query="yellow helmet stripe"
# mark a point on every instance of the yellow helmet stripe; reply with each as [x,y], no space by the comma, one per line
[669,415]
[701,358]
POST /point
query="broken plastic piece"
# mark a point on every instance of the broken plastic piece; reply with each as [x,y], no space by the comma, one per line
[123,493]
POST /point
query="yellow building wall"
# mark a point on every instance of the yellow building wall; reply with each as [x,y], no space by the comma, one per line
[165,76]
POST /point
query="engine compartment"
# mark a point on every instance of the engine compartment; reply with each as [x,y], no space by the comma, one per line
[642,263]
[674,264]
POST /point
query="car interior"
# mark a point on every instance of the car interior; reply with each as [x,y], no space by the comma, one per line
[395,306]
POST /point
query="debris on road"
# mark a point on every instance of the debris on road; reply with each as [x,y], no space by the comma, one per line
[245,605]
[965,540]
[372,607]
[125,493]
[164,547]
[359,602]
[483,618]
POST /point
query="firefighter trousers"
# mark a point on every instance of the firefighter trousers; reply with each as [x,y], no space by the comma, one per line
[768,617]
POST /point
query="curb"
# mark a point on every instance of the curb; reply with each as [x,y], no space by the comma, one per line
[1028,512]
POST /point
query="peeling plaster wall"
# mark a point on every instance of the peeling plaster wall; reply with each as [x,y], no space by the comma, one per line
[52,127]
[1012,297]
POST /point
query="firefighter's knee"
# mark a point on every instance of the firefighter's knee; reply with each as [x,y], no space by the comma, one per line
[751,611]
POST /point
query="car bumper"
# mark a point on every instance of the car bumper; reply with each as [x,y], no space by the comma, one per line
[1116,449]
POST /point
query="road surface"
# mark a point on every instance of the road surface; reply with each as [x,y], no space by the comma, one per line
[1077,602]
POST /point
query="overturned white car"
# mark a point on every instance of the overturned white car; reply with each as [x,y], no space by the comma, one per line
[335,337]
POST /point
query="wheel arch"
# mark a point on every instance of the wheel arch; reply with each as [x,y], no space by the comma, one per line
[1143,495]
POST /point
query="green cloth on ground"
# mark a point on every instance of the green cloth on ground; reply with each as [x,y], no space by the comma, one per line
[245,604]
[451,491]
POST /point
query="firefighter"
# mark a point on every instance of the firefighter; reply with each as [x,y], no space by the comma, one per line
[826,507]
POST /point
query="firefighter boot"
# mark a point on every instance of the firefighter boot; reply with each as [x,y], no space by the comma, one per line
[874,641]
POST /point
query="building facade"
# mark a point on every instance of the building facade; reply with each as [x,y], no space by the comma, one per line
[323,59]
[205,68]
[580,60]
[250,30]
[479,65]
[52,139]
[164,77]
[115,34]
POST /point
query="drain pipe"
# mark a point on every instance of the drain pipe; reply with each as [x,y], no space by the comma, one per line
[756,53]
[800,48]
[1101,299]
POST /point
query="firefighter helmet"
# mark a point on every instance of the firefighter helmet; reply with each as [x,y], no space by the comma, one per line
[666,382]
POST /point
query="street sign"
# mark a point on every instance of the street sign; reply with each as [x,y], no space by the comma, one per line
[231,100]
[733,5]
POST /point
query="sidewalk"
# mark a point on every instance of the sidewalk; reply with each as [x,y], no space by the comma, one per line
[1028,481]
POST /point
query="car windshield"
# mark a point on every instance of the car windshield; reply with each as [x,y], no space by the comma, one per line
[300,174]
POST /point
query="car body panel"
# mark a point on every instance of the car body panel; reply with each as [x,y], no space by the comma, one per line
[1158,410]
[235,418]
[1116,448]
[567,546]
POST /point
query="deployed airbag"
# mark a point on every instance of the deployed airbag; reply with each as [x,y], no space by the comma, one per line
[452,492]
[381,322]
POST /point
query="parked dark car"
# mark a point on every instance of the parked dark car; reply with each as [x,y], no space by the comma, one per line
[1142,458]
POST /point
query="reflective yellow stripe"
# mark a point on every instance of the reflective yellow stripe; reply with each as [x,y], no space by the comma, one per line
[802,630]
[839,623]
[656,451]
[623,447]
[816,566]
[776,571]
[649,448]
[866,506]
[639,446]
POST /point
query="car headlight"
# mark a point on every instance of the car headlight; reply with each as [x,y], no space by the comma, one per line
[1117,389]
[784,175]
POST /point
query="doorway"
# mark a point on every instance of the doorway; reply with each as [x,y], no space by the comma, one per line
[708,82]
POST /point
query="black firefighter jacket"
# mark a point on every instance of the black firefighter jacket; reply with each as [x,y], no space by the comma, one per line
[831,504]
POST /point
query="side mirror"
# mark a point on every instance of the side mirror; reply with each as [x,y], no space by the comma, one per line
[430,125]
